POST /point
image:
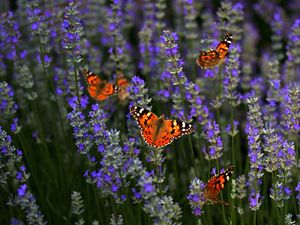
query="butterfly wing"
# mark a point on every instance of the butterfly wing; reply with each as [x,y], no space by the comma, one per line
[216,57]
[170,130]
[216,184]
[123,84]
[97,88]
[224,45]
[147,122]
[208,59]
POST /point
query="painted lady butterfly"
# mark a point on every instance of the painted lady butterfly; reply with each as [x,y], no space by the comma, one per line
[97,88]
[216,184]
[158,132]
[216,57]
[123,84]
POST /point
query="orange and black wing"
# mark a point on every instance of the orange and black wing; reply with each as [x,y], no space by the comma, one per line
[170,130]
[216,184]
[147,122]
[224,44]
[123,84]
[208,59]
[97,88]
[216,57]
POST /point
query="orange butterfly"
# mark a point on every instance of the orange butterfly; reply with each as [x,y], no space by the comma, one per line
[216,184]
[123,84]
[158,132]
[216,57]
[97,88]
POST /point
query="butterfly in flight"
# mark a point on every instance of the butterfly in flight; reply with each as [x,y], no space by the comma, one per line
[216,184]
[216,57]
[123,84]
[97,88]
[157,131]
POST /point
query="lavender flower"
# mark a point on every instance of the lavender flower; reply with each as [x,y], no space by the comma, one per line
[77,121]
[271,148]
[145,49]
[274,91]
[190,23]
[211,134]
[256,156]
[28,203]
[293,61]
[10,35]
[154,205]
[148,8]
[288,219]
[175,62]
[73,28]
[224,14]
[160,14]
[8,106]
[138,95]
[297,189]
[234,131]
[231,81]
[278,194]
[239,185]
[113,159]
[291,107]
[114,221]
[7,149]
[23,176]
[197,108]
[255,200]
[276,37]
[39,29]
[77,203]
[196,199]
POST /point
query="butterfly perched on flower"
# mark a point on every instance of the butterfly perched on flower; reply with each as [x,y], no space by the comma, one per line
[216,184]
[97,88]
[157,131]
[123,84]
[216,57]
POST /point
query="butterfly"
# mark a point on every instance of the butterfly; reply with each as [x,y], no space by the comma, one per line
[157,131]
[216,57]
[123,84]
[97,88]
[216,184]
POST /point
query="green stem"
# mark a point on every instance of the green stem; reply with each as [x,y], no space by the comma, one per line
[193,64]
[296,148]
[232,129]
[242,218]
[128,204]
[34,172]
[174,160]
[217,99]
[190,140]
[220,80]
[199,150]
[77,89]
[255,188]
[52,118]
[37,116]
[112,204]
[116,73]
[254,218]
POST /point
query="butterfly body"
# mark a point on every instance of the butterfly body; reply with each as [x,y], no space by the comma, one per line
[216,57]
[216,184]
[97,88]
[157,131]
